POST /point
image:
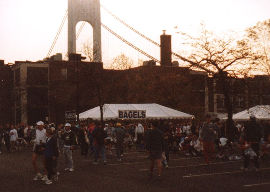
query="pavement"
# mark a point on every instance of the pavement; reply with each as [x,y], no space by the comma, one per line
[132,175]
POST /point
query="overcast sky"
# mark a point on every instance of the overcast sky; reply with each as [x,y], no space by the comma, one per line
[28,27]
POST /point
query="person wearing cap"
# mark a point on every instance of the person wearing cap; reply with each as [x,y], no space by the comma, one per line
[39,143]
[252,136]
[69,140]
[120,136]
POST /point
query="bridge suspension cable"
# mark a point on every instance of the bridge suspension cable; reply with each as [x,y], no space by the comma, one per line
[128,26]
[119,37]
[139,33]
[80,30]
[58,33]
[130,44]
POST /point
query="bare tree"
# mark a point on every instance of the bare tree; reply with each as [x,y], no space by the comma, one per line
[121,62]
[222,58]
[87,50]
[259,38]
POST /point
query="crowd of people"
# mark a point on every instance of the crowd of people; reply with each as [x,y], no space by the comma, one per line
[208,139]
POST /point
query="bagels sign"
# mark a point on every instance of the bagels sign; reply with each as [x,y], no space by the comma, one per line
[132,114]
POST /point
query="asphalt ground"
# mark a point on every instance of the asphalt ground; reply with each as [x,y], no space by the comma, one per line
[132,175]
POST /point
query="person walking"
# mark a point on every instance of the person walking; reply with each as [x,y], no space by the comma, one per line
[167,136]
[120,136]
[139,132]
[155,146]
[69,140]
[208,138]
[84,140]
[252,135]
[51,154]
[13,138]
[99,136]
[38,149]
[109,129]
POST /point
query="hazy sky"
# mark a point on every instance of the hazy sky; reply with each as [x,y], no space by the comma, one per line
[28,27]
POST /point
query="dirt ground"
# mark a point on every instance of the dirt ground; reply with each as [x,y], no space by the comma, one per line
[131,175]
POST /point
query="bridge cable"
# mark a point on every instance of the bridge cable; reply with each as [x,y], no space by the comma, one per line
[121,38]
[58,33]
[80,30]
[130,44]
[128,26]
[139,33]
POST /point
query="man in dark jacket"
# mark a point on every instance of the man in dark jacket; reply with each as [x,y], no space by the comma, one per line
[120,136]
[99,135]
[155,145]
[51,154]
[83,140]
[253,135]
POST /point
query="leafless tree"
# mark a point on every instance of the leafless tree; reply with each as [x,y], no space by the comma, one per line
[121,62]
[259,38]
[222,58]
[87,50]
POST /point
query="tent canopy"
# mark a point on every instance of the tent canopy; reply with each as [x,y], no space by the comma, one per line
[261,112]
[153,111]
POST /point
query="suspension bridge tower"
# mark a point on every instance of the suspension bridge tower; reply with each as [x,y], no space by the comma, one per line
[88,11]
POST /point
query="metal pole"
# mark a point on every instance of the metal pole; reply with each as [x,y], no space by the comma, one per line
[77,89]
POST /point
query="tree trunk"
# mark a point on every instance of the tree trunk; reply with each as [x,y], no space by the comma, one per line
[100,100]
[226,87]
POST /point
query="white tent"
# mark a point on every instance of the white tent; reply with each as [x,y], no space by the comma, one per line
[261,112]
[152,111]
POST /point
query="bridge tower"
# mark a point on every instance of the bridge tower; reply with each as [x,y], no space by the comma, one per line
[88,11]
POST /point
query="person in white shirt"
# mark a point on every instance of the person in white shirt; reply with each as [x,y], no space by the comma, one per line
[13,137]
[139,131]
[195,146]
[187,129]
[39,146]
